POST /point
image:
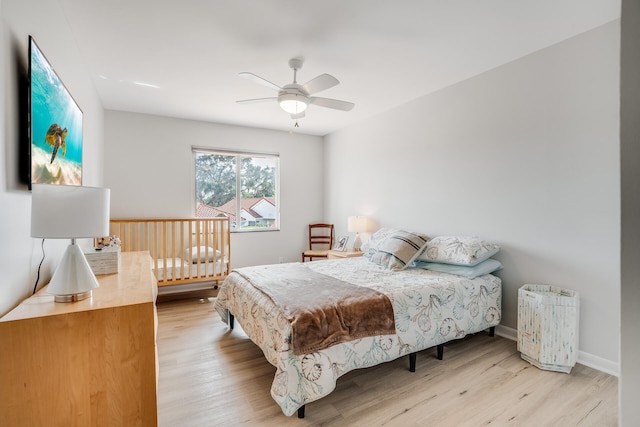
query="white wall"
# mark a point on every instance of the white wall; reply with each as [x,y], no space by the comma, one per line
[630,181]
[526,155]
[43,19]
[149,168]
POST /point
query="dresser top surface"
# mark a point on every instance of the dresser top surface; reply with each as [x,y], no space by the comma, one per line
[133,284]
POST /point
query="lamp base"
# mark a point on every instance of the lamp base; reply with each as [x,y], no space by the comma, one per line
[72,298]
[73,280]
[357,243]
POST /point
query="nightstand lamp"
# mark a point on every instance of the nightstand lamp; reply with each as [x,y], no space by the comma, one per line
[70,212]
[357,224]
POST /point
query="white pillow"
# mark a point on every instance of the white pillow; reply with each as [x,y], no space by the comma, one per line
[469,271]
[399,250]
[371,246]
[206,254]
[458,250]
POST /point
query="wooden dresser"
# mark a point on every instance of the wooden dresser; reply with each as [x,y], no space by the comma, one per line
[87,363]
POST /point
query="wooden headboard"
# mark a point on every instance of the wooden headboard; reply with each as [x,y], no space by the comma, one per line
[183,250]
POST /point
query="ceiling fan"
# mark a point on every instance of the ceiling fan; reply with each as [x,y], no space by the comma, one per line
[294,98]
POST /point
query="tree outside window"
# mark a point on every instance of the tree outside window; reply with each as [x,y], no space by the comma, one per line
[240,186]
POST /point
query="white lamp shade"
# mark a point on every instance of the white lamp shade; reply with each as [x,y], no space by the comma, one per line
[68,212]
[357,224]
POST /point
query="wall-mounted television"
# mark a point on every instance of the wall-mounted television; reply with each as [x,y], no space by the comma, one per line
[55,125]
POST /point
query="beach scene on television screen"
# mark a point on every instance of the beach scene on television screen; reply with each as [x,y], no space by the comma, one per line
[56,127]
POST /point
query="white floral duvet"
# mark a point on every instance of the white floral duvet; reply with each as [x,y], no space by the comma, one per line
[430,308]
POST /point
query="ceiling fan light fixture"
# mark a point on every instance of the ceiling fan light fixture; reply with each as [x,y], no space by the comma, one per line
[294,98]
[293,103]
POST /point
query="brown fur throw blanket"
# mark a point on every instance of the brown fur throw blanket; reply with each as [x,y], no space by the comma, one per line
[323,310]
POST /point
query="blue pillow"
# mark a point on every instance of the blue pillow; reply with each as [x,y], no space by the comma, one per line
[469,271]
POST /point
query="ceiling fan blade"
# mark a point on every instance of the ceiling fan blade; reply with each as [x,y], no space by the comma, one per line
[332,103]
[255,100]
[322,82]
[298,115]
[259,80]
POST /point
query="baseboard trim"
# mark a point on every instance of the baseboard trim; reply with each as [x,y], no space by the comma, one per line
[584,358]
[507,332]
[599,363]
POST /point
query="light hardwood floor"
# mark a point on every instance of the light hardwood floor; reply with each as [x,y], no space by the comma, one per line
[211,376]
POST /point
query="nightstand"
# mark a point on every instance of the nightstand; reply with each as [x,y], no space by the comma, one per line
[343,254]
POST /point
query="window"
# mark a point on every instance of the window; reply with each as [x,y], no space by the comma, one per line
[241,186]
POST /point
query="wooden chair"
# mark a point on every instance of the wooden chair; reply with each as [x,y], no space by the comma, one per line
[320,241]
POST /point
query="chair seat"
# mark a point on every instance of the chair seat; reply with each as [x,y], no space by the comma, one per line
[316,253]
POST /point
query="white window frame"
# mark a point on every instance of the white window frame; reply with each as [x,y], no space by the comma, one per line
[239,154]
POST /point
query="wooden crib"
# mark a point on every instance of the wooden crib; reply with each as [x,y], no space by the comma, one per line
[183,250]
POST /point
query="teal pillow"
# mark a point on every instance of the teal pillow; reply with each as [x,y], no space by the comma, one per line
[469,271]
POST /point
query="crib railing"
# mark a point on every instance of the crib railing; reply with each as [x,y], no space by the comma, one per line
[183,250]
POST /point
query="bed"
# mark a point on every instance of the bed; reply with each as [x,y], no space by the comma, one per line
[183,250]
[429,307]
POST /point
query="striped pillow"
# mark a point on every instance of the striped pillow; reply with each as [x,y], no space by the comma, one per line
[371,246]
[399,250]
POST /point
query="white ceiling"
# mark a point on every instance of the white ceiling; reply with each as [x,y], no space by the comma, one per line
[385,53]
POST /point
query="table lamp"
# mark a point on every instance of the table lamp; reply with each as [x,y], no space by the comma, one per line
[357,224]
[70,212]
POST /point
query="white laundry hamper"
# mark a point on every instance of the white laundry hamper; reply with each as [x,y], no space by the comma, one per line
[548,320]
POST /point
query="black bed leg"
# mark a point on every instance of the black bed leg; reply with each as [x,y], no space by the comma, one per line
[412,362]
[492,331]
[231,319]
[301,412]
[440,350]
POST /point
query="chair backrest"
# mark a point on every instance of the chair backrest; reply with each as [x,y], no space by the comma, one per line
[320,236]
